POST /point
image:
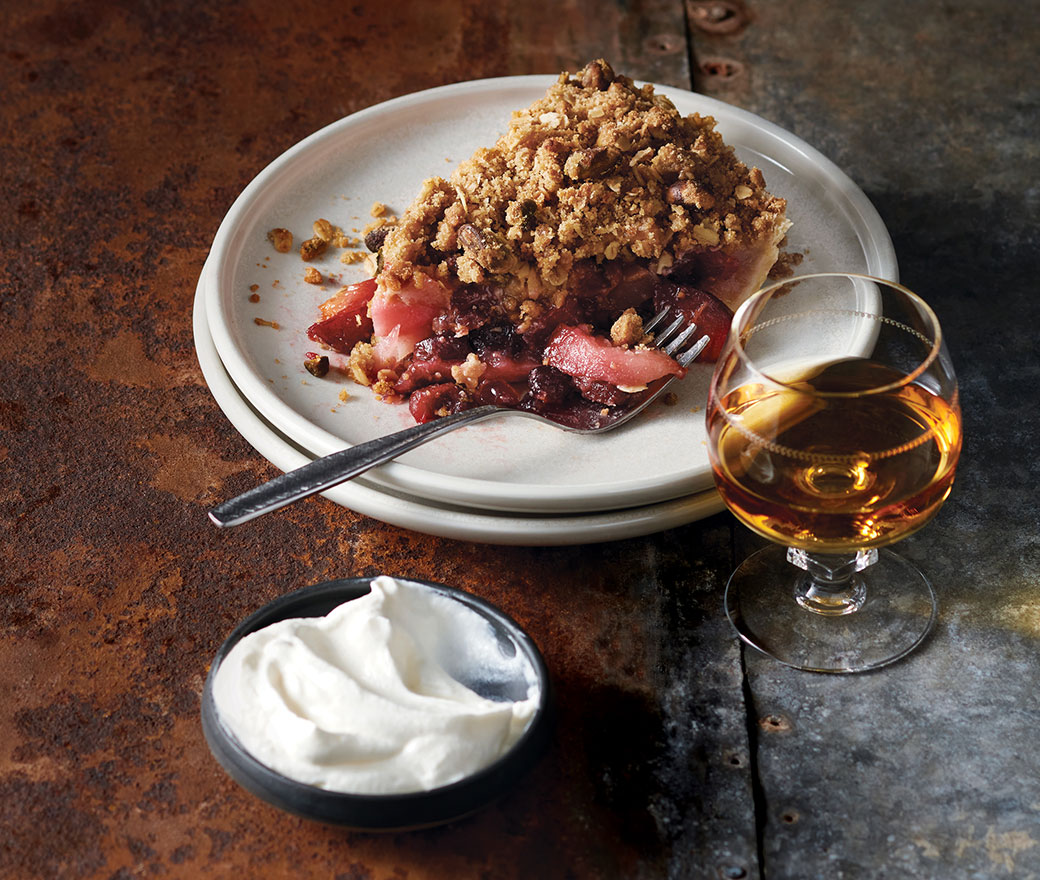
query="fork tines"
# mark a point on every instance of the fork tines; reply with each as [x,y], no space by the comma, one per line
[672,344]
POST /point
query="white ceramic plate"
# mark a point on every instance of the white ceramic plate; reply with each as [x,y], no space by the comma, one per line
[429,517]
[383,154]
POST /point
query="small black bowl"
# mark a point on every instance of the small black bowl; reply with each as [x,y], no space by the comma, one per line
[378,812]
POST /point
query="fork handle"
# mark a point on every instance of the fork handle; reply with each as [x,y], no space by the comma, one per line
[331,470]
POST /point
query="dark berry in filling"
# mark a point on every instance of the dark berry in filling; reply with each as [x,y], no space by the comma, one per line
[435,401]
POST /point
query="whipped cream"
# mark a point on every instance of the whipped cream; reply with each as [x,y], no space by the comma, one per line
[369,699]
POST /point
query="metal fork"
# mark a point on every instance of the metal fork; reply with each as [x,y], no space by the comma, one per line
[338,467]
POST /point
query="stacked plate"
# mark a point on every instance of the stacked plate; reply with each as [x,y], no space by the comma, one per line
[508,480]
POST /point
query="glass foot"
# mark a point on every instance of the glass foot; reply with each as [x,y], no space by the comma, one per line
[773,607]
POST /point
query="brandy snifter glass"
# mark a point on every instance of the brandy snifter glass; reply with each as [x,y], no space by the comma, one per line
[834,429]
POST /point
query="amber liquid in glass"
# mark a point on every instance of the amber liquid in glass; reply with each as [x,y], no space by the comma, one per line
[834,474]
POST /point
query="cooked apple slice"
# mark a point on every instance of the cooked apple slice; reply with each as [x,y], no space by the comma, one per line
[576,352]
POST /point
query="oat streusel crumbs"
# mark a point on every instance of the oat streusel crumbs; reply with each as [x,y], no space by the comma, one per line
[358,365]
[468,373]
[596,170]
[281,239]
[627,329]
[786,264]
[383,387]
[324,230]
[313,248]
[313,276]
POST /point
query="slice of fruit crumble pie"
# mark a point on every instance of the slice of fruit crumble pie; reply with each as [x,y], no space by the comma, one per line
[525,278]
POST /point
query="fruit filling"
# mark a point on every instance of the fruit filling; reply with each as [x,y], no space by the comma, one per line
[525,279]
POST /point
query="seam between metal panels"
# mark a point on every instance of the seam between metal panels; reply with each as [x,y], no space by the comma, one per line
[691,60]
[758,797]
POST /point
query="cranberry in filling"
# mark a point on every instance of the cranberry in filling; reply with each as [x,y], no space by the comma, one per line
[472,306]
[549,388]
[432,361]
[435,401]
[496,392]
[602,392]
[446,398]
[506,354]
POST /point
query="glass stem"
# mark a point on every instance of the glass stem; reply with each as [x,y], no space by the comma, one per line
[830,585]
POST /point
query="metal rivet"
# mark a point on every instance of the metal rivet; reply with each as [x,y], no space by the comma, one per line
[718,17]
[721,69]
[664,44]
[774,723]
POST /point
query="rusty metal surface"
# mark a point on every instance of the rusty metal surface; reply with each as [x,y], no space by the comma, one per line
[126,131]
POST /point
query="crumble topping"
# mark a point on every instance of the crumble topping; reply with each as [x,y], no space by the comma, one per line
[599,169]
[323,229]
[524,279]
[468,373]
[313,248]
[360,358]
[627,329]
[281,239]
